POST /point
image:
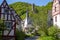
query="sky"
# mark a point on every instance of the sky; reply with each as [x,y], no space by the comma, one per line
[36,2]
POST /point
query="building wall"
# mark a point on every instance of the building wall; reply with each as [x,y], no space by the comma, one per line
[56,23]
[55,4]
[56,13]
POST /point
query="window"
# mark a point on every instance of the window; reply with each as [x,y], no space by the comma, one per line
[54,0]
[6,10]
[8,24]
[51,19]
[9,17]
[59,2]
[56,19]
[2,11]
[55,9]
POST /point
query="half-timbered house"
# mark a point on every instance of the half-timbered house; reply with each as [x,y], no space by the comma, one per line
[10,19]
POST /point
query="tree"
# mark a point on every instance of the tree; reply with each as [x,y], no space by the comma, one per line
[46,38]
[20,35]
[52,31]
[2,27]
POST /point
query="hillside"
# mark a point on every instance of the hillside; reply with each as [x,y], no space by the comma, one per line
[40,17]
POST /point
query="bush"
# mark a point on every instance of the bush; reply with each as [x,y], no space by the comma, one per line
[41,33]
[20,35]
[46,38]
[52,31]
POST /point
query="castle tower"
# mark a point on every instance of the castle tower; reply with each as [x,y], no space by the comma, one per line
[56,13]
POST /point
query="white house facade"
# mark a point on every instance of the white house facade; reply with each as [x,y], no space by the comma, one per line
[56,13]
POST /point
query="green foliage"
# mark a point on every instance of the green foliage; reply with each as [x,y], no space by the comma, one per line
[20,35]
[20,7]
[46,38]
[53,34]
[39,18]
[49,5]
[42,33]
[2,27]
[52,31]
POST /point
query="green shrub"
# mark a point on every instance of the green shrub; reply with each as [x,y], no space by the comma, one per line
[52,31]
[20,35]
[41,33]
[46,38]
